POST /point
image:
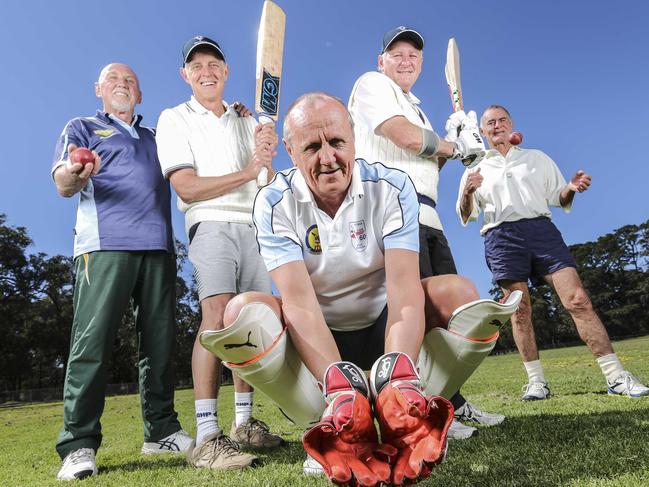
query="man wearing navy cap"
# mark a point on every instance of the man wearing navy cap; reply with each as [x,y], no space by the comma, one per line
[123,251]
[391,128]
[211,152]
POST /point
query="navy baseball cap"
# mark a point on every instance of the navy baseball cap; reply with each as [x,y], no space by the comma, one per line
[194,42]
[402,33]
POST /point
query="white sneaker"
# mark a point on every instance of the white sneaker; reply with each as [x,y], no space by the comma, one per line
[459,431]
[177,442]
[468,412]
[626,384]
[536,390]
[311,466]
[78,464]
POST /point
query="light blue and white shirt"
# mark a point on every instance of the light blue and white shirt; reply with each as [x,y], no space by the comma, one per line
[344,255]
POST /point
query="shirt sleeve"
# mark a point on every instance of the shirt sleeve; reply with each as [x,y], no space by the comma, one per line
[172,139]
[276,237]
[374,100]
[401,224]
[72,134]
[475,211]
[554,184]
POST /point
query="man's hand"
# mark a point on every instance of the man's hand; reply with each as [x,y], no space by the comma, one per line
[265,150]
[580,182]
[345,441]
[469,146]
[417,426]
[82,171]
[473,182]
[241,109]
[71,178]
[454,125]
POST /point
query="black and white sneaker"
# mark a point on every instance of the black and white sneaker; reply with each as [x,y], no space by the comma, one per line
[177,442]
[78,465]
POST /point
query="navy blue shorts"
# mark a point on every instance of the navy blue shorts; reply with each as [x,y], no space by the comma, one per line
[363,347]
[526,249]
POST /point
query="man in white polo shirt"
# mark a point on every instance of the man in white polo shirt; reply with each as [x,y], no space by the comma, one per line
[212,152]
[515,188]
[390,127]
[340,238]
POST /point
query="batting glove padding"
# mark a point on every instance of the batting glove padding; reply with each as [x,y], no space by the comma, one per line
[345,441]
[469,146]
[454,125]
[417,426]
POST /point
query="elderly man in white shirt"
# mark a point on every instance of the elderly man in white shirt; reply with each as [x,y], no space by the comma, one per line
[390,127]
[212,152]
[514,188]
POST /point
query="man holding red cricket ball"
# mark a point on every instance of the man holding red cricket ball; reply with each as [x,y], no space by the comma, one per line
[123,251]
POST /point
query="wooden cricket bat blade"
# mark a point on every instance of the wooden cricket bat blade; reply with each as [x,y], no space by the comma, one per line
[452,70]
[270,50]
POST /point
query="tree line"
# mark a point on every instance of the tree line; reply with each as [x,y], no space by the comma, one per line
[36,307]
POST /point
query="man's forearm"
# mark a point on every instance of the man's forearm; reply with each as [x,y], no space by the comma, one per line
[192,188]
[566,196]
[466,207]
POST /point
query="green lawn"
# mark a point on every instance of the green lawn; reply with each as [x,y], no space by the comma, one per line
[580,437]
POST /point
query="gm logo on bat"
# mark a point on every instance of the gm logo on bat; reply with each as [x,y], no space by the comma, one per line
[269,93]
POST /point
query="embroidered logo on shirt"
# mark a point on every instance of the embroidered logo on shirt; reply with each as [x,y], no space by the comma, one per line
[312,240]
[104,133]
[358,235]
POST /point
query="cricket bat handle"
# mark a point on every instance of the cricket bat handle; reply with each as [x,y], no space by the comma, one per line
[262,177]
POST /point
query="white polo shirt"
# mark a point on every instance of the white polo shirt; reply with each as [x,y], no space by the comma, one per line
[375,98]
[344,255]
[191,136]
[524,184]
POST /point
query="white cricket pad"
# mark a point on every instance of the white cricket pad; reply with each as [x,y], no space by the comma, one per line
[256,347]
[449,357]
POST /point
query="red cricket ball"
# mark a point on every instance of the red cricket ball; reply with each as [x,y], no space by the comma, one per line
[515,138]
[82,156]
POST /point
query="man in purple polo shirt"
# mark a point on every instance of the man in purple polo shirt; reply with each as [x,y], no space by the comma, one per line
[123,251]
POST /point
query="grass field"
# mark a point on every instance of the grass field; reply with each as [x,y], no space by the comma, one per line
[580,437]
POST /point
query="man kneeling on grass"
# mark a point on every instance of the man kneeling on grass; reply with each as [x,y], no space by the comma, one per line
[340,238]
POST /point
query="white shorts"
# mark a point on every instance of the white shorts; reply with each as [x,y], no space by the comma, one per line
[226,259]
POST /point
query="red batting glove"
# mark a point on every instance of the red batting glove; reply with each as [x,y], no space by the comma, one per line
[417,426]
[345,441]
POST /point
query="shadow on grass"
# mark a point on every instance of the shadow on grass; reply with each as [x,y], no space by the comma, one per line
[550,450]
[543,450]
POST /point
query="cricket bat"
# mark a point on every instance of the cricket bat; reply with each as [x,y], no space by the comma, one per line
[452,71]
[270,50]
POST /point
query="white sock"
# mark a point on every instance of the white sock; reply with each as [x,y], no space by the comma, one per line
[242,407]
[207,421]
[534,371]
[611,366]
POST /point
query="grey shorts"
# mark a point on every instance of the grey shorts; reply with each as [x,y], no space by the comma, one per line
[226,259]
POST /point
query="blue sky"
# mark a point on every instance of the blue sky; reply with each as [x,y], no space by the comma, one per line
[573,73]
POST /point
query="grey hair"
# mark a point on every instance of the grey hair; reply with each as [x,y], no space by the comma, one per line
[494,107]
[308,100]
